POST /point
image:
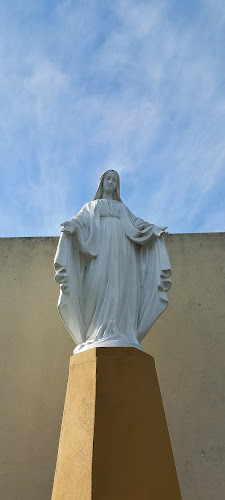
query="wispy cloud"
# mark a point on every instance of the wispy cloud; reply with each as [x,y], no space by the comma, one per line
[87,86]
[43,87]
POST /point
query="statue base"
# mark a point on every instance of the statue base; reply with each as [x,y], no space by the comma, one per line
[95,344]
[114,442]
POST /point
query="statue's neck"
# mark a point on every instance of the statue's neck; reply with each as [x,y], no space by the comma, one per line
[107,196]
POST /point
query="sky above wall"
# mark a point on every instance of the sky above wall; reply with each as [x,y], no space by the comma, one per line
[133,85]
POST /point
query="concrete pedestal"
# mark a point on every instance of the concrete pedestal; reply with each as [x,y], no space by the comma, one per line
[114,442]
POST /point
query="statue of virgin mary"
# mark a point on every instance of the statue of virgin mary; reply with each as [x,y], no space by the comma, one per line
[114,271]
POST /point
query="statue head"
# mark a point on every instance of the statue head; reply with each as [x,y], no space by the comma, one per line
[116,193]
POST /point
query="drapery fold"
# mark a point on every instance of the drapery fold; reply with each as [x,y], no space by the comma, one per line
[114,272]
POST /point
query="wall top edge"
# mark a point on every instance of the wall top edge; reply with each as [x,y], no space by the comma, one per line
[173,235]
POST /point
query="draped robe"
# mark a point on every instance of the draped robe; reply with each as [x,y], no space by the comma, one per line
[114,272]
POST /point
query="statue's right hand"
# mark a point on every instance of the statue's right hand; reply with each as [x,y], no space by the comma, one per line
[68,227]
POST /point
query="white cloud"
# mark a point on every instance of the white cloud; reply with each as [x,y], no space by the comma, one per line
[121,85]
[45,85]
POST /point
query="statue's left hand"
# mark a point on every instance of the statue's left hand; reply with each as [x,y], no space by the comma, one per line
[160,231]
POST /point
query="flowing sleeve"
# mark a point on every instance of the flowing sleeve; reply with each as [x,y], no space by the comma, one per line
[154,271]
[70,261]
[144,230]
[136,221]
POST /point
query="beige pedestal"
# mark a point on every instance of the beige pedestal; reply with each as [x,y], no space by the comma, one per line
[114,442]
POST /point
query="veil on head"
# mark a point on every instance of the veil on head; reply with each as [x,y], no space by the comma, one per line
[99,192]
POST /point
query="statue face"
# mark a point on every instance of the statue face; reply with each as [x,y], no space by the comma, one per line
[110,181]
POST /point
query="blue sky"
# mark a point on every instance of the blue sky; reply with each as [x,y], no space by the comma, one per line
[134,85]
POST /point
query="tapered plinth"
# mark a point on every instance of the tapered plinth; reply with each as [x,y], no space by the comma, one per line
[114,442]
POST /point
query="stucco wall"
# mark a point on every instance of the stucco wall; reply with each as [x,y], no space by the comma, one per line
[188,344]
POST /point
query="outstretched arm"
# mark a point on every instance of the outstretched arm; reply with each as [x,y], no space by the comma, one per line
[142,225]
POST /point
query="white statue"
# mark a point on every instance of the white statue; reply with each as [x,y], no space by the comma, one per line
[114,272]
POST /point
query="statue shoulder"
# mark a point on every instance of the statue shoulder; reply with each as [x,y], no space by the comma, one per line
[128,212]
[87,210]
